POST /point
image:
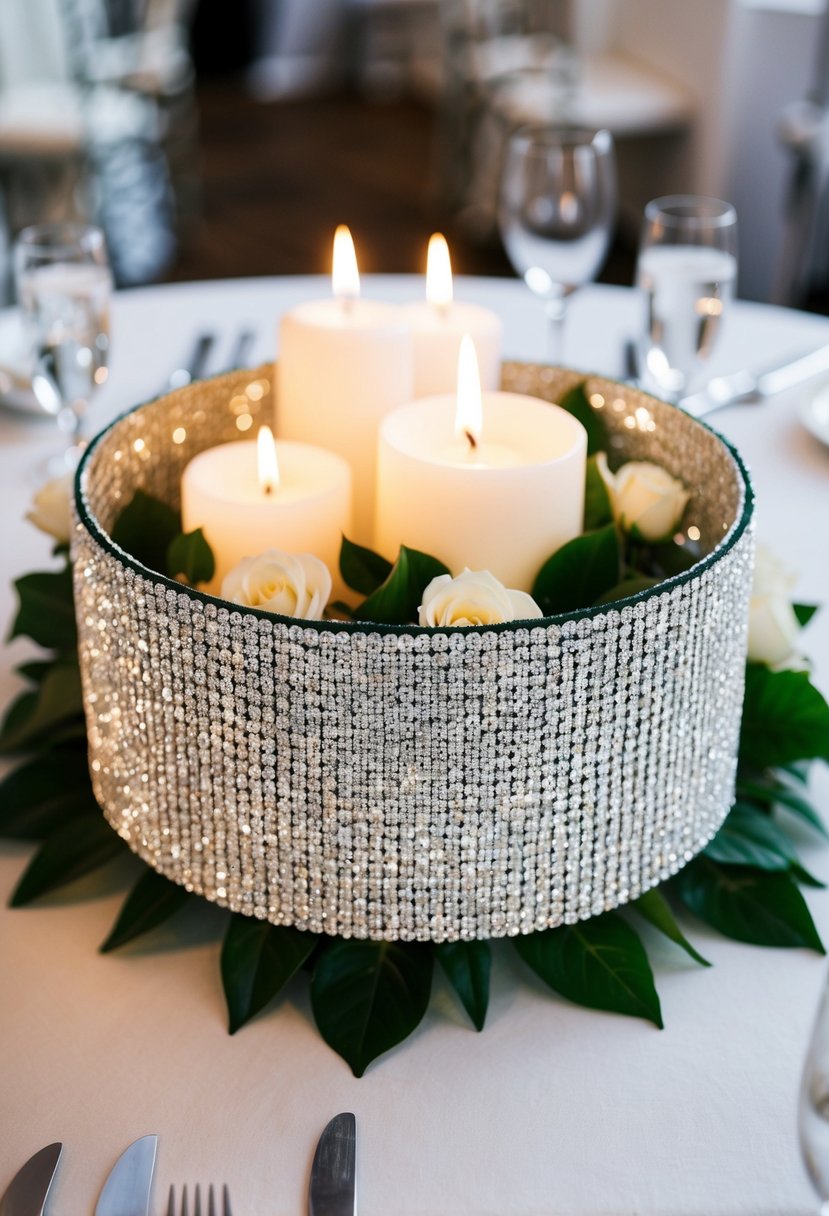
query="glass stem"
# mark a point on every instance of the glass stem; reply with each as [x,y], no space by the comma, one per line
[556,310]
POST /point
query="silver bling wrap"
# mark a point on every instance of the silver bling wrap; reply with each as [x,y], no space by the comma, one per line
[408,783]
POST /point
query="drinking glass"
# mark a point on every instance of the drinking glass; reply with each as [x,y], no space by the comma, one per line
[687,269]
[64,285]
[556,213]
[813,1106]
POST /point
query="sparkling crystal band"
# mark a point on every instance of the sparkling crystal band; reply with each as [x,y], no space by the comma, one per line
[411,783]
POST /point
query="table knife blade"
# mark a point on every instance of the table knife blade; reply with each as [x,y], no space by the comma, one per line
[27,1192]
[333,1187]
[126,1191]
[752,386]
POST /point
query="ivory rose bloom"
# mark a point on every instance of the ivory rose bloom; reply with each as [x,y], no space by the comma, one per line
[772,624]
[292,584]
[51,511]
[474,597]
[644,496]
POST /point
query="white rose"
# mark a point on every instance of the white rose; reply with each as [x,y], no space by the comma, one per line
[772,625]
[292,584]
[51,509]
[474,597]
[644,496]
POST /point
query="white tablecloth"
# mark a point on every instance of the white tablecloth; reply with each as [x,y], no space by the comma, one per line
[553,1109]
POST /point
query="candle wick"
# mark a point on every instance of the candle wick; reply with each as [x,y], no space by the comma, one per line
[473,442]
[268,488]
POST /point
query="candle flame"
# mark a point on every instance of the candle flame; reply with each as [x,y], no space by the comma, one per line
[266,459]
[438,272]
[345,277]
[469,418]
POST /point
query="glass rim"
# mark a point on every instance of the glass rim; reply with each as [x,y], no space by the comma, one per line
[560,135]
[61,237]
[691,211]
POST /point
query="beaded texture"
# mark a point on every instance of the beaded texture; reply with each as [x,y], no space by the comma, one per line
[409,783]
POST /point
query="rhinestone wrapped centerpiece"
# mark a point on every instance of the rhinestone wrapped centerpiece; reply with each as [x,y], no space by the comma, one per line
[411,783]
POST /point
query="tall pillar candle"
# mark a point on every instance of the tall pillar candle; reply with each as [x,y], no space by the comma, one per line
[499,491]
[245,506]
[438,324]
[343,364]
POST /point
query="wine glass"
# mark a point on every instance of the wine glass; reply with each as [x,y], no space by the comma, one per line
[813,1105]
[556,213]
[64,285]
[687,269]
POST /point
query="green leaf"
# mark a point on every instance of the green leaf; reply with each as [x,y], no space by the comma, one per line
[805,612]
[576,402]
[654,907]
[806,879]
[597,509]
[339,610]
[579,572]
[785,718]
[467,966]
[78,847]
[628,586]
[750,838]
[600,963]
[44,793]
[190,556]
[35,715]
[145,529]
[369,996]
[748,904]
[362,569]
[665,558]
[396,601]
[775,793]
[152,901]
[47,609]
[258,959]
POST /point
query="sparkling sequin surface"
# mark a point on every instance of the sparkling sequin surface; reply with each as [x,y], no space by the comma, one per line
[411,783]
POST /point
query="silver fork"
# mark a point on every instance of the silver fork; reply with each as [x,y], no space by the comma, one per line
[212,1208]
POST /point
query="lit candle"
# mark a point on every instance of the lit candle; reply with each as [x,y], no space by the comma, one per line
[491,481]
[343,364]
[439,323]
[247,499]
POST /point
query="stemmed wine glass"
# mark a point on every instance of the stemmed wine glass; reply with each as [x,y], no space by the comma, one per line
[813,1105]
[64,285]
[687,269]
[556,213]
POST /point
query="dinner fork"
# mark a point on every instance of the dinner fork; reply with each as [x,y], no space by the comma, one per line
[212,1208]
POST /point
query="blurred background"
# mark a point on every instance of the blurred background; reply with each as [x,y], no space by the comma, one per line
[217,139]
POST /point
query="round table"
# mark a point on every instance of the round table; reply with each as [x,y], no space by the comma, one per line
[553,1109]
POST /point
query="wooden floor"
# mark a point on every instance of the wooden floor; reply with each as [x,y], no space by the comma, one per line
[278,178]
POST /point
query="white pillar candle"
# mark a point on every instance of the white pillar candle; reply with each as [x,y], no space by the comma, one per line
[343,364]
[498,492]
[245,504]
[438,324]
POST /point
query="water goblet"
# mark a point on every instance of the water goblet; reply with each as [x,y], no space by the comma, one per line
[556,213]
[687,268]
[64,284]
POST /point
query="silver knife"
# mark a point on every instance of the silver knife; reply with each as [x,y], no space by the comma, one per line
[333,1188]
[27,1192]
[744,386]
[127,1189]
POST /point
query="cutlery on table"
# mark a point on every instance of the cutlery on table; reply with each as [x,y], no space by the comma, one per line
[212,1209]
[126,1191]
[194,367]
[240,351]
[26,1193]
[333,1187]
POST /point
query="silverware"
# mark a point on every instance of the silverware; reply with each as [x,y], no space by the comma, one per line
[212,1209]
[127,1189]
[196,364]
[333,1187]
[745,386]
[240,351]
[27,1192]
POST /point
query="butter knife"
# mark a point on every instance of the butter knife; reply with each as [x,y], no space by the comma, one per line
[333,1187]
[28,1190]
[126,1191]
[745,386]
